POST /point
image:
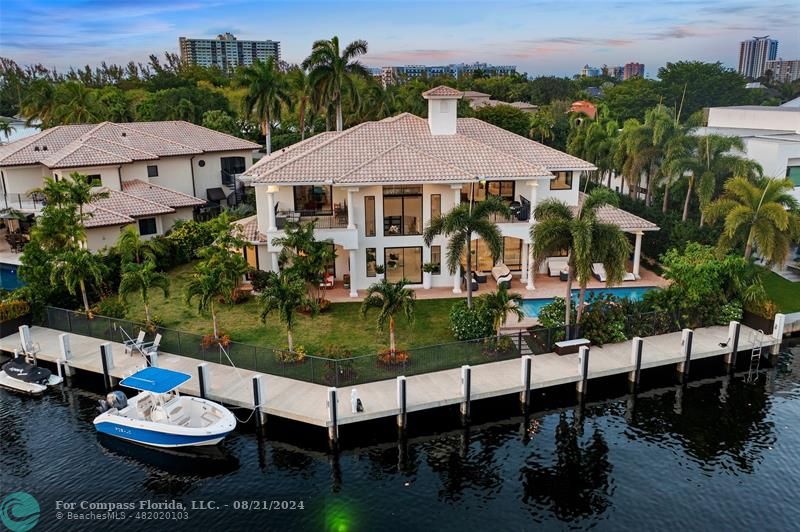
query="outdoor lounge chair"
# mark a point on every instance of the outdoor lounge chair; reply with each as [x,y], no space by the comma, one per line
[134,343]
[327,281]
[556,265]
[151,347]
[474,282]
[599,271]
[502,275]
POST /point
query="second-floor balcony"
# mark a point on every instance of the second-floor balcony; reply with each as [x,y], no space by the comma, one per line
[29,202]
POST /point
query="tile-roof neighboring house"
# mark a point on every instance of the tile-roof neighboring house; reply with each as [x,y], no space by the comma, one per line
[159,194]
[623,219]
[250,231]
[100,217]
[112,143]
[442,91]
[130,205]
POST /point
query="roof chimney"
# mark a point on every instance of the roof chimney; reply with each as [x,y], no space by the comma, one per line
[442,109]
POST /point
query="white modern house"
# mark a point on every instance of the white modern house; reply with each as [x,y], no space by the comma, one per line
[373,188]
[156,172]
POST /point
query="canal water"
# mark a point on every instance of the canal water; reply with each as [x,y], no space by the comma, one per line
[718,454]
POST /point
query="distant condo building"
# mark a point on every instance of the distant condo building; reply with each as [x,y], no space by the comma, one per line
[616,72]
[226,51]
[393,74]
[754,54]
[631,70]
[590,72]
[784,71]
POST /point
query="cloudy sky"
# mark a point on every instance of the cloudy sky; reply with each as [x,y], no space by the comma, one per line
[540,37]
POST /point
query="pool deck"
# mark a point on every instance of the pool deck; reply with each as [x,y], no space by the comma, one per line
[307,402]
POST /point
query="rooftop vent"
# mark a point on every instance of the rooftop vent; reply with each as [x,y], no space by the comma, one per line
[44,148]
[124,134]
[36,148]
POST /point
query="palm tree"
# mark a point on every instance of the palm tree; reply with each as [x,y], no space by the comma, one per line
[73,268]
[762,214]
[76,104]
[331,72]
[303,97]
[209,284]
[80,191]
[133,248]
[584,237]
[500,304]
[390,299]
[306,256]
[460,224]
[6,129]
[267,90]
[39,103]
[283,293]
[141,278]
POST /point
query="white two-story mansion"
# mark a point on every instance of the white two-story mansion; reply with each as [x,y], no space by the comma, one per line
[155,172]
[374,187]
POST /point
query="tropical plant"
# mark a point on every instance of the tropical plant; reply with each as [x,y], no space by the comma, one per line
[141,278]
[209,284]
[6,129]
[76,104]
[284,294]
[470,323]
[267,91]
[81,191]
[390,300]
[307,257]
[303,96]
[586,239]
[75,268]
[762,215]
[331,72]
[132,248]
[459,224]
[499,304]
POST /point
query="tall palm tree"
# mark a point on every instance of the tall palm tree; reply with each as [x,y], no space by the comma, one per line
[76,104]
[390,299]
[586,240]
[267,90]
[763,215]
[500,304]
[460,224]
[39,103]
[141,278]
[133,248]
[80,191]
[303,97]
[710,162]
[209,284]
[283,293]
[74,268]
[6,129]
[331,72]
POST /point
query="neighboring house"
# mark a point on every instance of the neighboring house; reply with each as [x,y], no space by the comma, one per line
[176,155]
[374,188]
[477,100]
[585,107]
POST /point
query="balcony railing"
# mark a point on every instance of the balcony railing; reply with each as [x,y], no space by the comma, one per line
[520,212]
[322,220]
[23,201]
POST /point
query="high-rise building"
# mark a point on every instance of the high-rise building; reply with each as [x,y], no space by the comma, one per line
[783,71]
[631,70]
[590,72]
[392,74]
[226,51]
[616,72]
[754,54]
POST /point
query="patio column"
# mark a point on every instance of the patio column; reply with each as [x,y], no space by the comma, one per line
[273,255]
[531,272]
[271,208]
[524,273]
[353,268]
[637,254]
[534,198]
[456,194]
[351,220]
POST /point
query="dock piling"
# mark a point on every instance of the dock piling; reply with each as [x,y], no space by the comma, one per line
[66,356]
[466,391]
[402,403]
[583,362]
[107,358]
[525,395]
[637,348]
[333,427]
[778,326]
[259,397]
[686,350]
[734,328]
[204,379]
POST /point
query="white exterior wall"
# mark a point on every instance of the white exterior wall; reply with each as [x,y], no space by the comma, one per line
[570,197]
[173,172]
[109,175]
[210,175]
[22,179]
[754,118]
[168,220]
[101,237]
[774,156]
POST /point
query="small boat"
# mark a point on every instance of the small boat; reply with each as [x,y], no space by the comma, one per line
[23,375]
[159,416]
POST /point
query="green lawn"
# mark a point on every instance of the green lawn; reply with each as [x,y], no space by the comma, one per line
[785,294]
[341,325]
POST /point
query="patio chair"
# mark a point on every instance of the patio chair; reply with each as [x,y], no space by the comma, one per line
[327,281]
[502,275]
[134,343]
[151,347]
[599,271]
[556,265]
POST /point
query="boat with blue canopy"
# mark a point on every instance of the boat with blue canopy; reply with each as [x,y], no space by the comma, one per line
[159,416]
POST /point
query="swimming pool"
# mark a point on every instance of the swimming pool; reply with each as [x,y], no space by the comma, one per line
[8,277]
[531,307]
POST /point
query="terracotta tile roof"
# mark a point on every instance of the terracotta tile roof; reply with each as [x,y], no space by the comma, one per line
[130,205]
[336,155]
[623,219]
[404,164]
[159,194]
[442,91]
[250,229]
[110,143]
[100,217]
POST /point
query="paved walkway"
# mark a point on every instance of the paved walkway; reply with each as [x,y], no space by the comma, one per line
[306,402]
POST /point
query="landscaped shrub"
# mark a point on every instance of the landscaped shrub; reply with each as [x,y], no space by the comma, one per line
[111,307]
[496,347]
[470,324]
[339,366]
[11,310]
[730,312]
[551,316]
[291,357]
[603,319]
[187,237]
[259,278]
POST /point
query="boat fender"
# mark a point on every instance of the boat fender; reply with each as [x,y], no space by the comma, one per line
[117,400]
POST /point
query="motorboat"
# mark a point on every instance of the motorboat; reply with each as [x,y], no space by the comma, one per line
[159,416]
[21,374]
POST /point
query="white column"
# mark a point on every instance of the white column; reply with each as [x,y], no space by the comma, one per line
[353,276]
[273,255]
[534,198]
[524,274]
[456,203]
[351,220]
[271,210]
[637,254]
[531,271]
